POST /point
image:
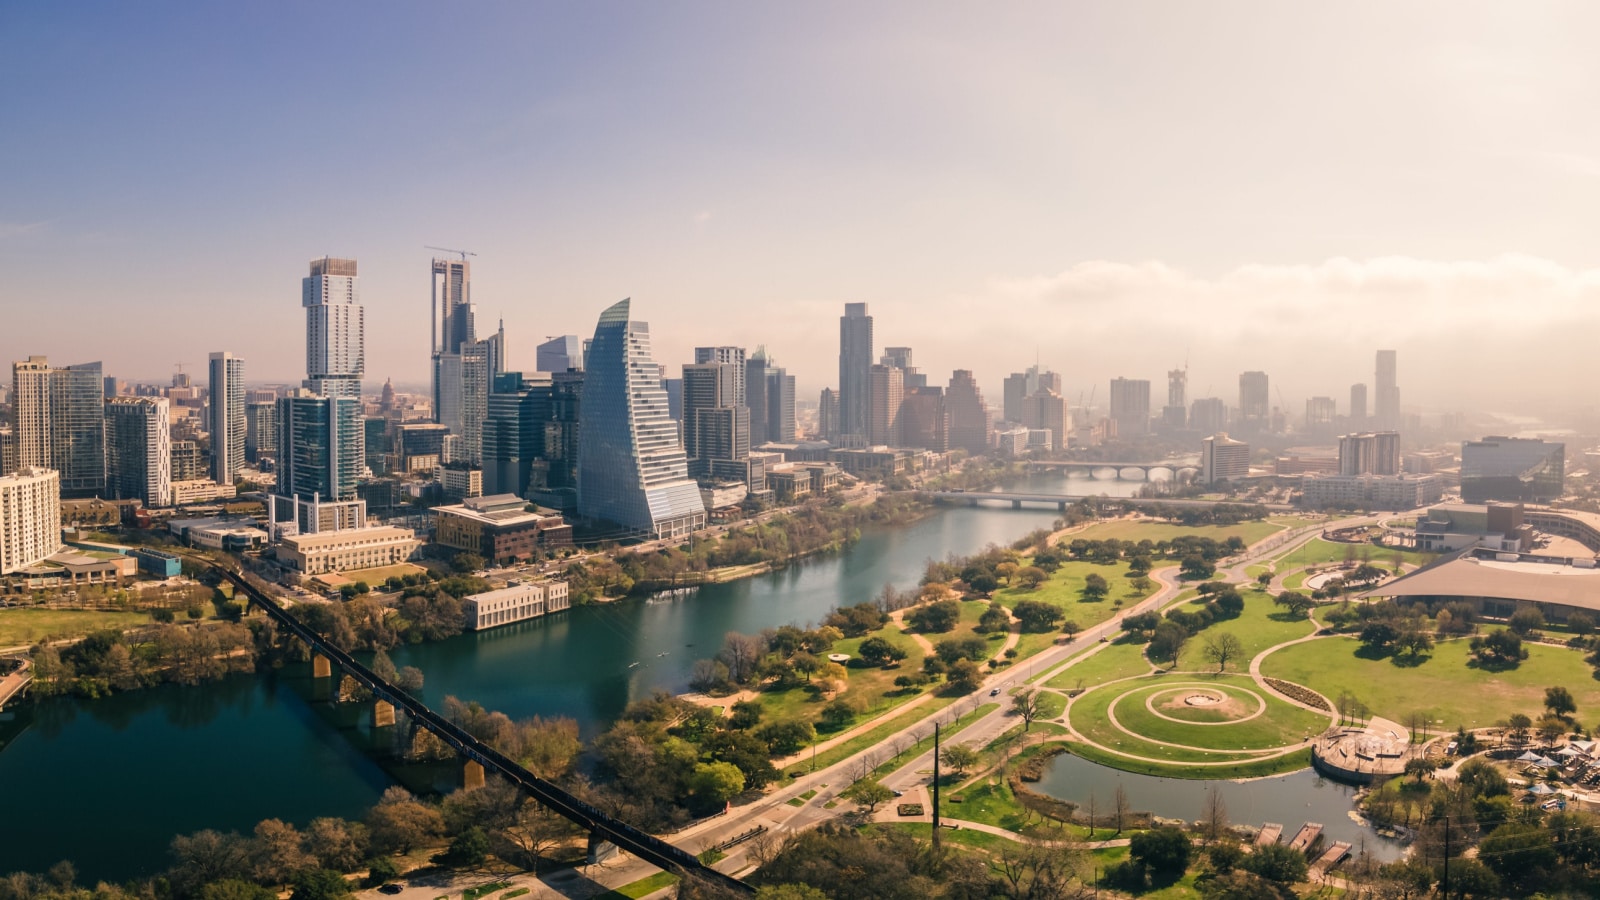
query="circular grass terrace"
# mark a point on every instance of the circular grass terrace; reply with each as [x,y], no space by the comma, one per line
[1194,725]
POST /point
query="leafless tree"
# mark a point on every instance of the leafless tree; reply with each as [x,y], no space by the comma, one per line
[1119,805]
[1214,815]
[1026,704]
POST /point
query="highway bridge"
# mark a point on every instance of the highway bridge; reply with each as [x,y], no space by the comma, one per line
[601,827]
[1017,499]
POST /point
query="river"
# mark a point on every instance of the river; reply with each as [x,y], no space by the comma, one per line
[108,782]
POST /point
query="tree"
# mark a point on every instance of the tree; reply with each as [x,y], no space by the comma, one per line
[400,823]
[1517,728]
[277,855]
[1032,576]
[466,563]
[1276,862]
[1070,628]
[1119,805]
[234,889]
[876,651]
[1551,729]
[1559,702]
[995,618]
[1519,853]
[1264,580]
[787,736]
[1413,642]
[1420,768]
[320,884]
[379,871]
[964,676]
[1214,815]
[1095,587]
[837,715]
[205,857]
[1378,636]
[959,757]
[1223,648]
[1196,566]
[1037,616]
[335,844]
[1168,641]
[935,617]
[1162,852]
[867,794]
[1296,603]
[1498,649]
[469,848]
[1526,621]
[1025,703]
[716,783]
[410,679]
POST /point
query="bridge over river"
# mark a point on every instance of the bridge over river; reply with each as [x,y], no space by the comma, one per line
[1125,471]
[15,683]
[480,757]
[1061,501]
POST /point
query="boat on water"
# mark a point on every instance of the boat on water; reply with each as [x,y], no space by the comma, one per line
[635,664]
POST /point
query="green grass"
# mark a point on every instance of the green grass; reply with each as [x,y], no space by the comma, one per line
[1255,769]
[1113,661]
[1139,530]
[1051,706]
[874,687]
[1182,889]
[512,895]
[1282,725]
[482,890]
[876,735]
[1261,625]
[29,626]
[376,577]
[1317,552]
[644,887]
[964,837]
[1442,686]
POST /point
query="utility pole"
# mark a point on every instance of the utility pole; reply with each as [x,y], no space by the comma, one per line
[1445,887]
[936,789]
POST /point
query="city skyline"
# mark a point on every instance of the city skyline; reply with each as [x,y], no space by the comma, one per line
[933,167]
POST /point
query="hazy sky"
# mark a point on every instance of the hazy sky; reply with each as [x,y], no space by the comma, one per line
[1114,187]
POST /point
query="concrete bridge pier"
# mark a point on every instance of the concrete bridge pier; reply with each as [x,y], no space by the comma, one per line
[600,849]
[321,666]
[1062,506]
[1016,504]
[382,714]
[471,774]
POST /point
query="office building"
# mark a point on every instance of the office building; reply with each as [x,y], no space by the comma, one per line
[419,446]
[1046,410]
[884,399]
[1019,386]
[828,415]
[260,432]
[1358,404]
[900,358]
[138,450]
[715,425]
[632,470]
[1174,416]
[1392,492]
[322,447]
[752,386]
[782,423]
[30,518]
[1223,459]
[1130,406]
[322,552]
[1370,453]
[1255,403]
[1387,401]
[855,374]
[335,328]
[60,423]
[8,450]
[1320,413]
[513,436]
[970,427]
[560,354]
[1208,415]
[226,421]
[730,356]
[1512,469]
[500,528]
[553,478]
[925,419]
[516,602]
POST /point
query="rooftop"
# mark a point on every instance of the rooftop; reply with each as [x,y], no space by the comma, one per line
[1541,580]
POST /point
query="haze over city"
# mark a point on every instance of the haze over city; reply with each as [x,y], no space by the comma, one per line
[1132,184]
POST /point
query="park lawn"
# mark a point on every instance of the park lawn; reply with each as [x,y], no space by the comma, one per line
[1064,591]
[1443,686]
[1317,552]
[873,686]
[1156,532]
[964,837]
[1261,768]
[1051,706]
[374,578]
[1282,725]
[29,626]
[644,887]
[1182,889]
[1113,661]
[878,735]
[1261,625]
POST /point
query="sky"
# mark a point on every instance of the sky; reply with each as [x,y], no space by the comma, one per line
[1113,189]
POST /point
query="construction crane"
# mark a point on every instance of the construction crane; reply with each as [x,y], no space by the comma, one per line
[464,253]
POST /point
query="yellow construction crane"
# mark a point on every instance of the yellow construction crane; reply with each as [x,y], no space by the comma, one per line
[464,253]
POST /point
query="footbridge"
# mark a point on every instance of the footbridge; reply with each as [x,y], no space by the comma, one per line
[480,757]
[1125,471]
[16,681]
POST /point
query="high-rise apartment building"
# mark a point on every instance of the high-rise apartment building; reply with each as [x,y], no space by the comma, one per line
[1047,410]
[752,386]
[1320,412]
[335,328]
[715,425]
[828,415]
[1369,453]
[60,419]
[1175,414]
[781,414]
[855,374]
[1358,403]
[260,431]
[188,463]
[322,447]
[30,518]
[632,470]
[139,450]
[732,356]
[888,392]
[925,419]
[1387,406]
[1223,459]
[1208,415]
[559,354]
[226,420]
[8,450]
[1130,406]
[970,427]
[1255,404]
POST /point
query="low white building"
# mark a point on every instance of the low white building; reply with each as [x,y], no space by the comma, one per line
[354,548]
[205,490]
[30,517]
[1370,491]
[516,602]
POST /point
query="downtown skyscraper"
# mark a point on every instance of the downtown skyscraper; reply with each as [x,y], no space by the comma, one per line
[60,416]
[632,470]
[855,376]
[226,420]
[335,328]
[139,450]
[1386,412]
[463,366]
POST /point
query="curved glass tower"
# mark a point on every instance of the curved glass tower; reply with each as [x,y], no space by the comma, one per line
[631,467]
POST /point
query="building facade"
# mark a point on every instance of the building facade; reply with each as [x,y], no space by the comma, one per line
[1370,453]
[970,427]
[260,431]
[516,602]
[560,354]
[138,450]
[358,548]
[1393,492]
[855,375]
[226,421]
[1512,469]
[1130,406]
[335,328]
[323,447]
[60,423]
[884,401]
[30,518]
[499,528]
[1223,459]
[1255,400]
[632,470]
[1387,411]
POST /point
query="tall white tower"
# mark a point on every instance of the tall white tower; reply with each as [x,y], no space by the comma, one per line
[227,416]
[335,328]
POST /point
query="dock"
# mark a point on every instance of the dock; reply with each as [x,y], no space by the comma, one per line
[1306,836]
[1270,832]
[1335,854]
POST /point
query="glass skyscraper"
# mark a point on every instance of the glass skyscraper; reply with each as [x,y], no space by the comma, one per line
[227,416]
[322,447]
[60,415]
[855,376]
[631,467]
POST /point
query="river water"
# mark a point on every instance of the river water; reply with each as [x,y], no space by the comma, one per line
[108,782]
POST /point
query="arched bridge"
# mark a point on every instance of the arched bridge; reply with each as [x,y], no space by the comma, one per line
[600,826]
[1125,471]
